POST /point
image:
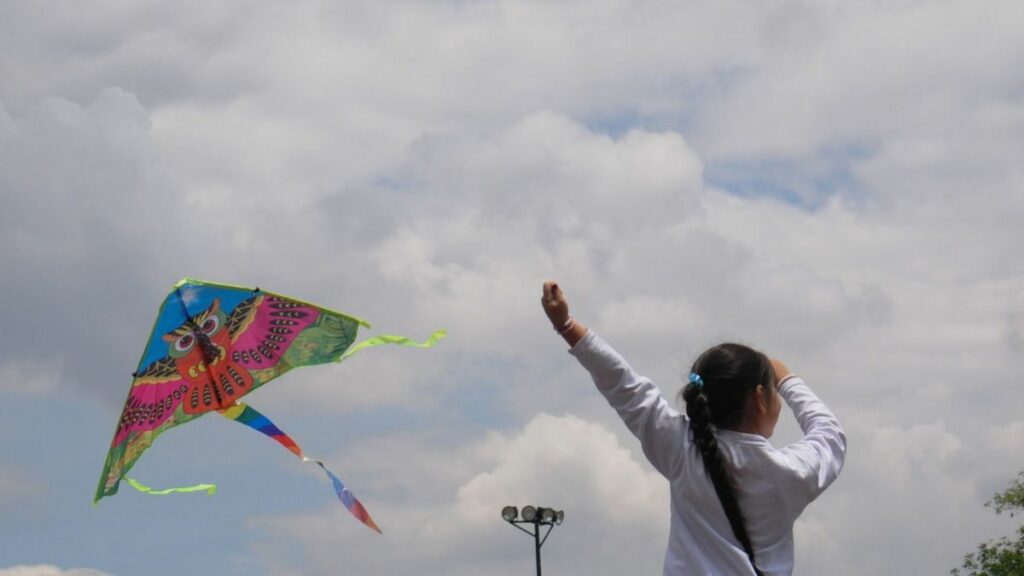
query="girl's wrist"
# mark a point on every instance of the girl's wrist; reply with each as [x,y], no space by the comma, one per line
[565,327]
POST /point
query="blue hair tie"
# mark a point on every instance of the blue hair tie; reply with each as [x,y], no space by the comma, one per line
[696,379]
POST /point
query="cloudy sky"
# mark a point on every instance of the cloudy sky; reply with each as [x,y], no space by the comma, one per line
[837,183]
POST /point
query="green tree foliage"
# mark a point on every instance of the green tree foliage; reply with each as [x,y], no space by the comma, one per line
[1002,557]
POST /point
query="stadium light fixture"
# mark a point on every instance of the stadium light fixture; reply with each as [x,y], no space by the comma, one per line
[535,517]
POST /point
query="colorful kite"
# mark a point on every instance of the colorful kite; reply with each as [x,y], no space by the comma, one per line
[211,345]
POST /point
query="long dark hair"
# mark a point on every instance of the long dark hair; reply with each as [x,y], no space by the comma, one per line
[729,374]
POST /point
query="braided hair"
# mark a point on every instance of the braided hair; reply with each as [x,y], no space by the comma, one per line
[723,379]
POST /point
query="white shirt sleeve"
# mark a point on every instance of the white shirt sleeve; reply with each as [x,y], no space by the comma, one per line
[663,432]
[818,457]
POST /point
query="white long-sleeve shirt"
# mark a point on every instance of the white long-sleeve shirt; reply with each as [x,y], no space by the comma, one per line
[772,485]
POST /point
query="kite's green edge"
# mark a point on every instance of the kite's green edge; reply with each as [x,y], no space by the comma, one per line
[187,280]
[103,473]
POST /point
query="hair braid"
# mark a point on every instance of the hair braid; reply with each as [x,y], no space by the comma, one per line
[732,370]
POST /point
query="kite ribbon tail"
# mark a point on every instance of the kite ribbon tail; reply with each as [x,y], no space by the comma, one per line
[349,500]
[391,339]
[245,414]
[210,489]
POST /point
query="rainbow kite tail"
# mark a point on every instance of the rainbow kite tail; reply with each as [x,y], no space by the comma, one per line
[349,500]
[245,414]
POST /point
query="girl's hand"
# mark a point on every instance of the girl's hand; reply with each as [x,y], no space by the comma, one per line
[781,371]
[557,309]
[555,304]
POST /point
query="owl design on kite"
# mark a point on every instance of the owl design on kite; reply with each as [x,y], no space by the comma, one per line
[199,349]
[211,360]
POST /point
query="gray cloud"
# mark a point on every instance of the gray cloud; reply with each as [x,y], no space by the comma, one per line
[428,166]
[159,53]
[444,509]
[863,72]
[80,219]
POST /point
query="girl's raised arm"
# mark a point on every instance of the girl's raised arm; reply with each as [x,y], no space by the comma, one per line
[659,427]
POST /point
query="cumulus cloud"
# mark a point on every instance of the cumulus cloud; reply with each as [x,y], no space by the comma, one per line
[832,74]
[48,570]
[835,183]
[442,516]
[79,207]
[582,463]
[544,196]
[21,491]
[24,378]
[477,222]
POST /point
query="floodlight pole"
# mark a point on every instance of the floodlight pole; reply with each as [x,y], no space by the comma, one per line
[538,542]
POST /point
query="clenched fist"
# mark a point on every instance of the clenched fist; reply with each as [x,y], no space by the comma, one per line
[555,304]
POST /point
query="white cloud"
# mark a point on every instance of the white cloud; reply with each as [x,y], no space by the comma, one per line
[861,72]
[569,462]
[442,516]
[48,570]
[908,454]
[22,492]
[427,166]
[80,204]
[1008,438]
[18,377]
[537,199]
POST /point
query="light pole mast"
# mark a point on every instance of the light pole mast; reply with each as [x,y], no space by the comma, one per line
[537,517]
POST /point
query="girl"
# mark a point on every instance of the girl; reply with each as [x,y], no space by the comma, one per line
[734,497]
